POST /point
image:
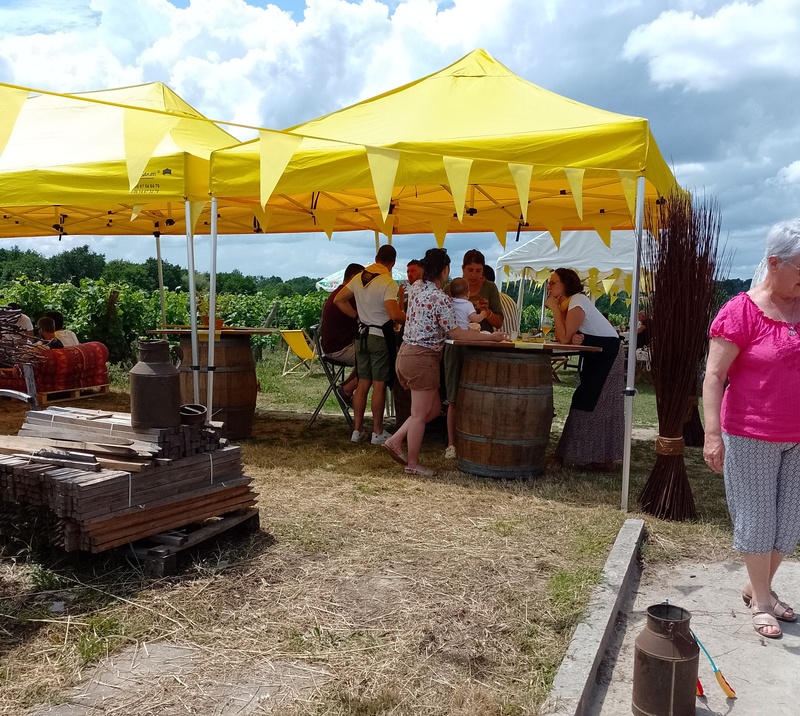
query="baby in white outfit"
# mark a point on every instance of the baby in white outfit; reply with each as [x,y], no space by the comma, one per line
[466,315]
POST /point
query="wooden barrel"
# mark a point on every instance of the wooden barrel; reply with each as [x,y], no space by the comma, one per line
[235,384]
[504,413]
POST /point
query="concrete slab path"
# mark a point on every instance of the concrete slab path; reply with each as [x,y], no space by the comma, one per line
[763,672]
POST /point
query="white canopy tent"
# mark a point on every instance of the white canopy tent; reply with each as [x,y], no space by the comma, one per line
[605,268]
[332,282]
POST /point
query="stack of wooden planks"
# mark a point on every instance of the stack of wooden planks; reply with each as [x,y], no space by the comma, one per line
[109,484]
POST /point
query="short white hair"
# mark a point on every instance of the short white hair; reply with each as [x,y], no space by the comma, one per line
[783,242]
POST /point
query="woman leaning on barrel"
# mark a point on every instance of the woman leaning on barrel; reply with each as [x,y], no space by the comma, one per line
[753,426]
[593,434]
[429,320]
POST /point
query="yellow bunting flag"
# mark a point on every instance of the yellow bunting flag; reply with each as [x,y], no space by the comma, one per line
[326,220]
[457,170]
[575,179]
[608,284]
[521,173]
[276,150]
[628,180]
[554,227]
[195,209]
[11,100]
[439,226]
[143,132]
[383,167]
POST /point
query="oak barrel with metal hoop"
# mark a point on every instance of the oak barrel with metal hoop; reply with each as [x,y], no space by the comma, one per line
[235,383]
[504,413]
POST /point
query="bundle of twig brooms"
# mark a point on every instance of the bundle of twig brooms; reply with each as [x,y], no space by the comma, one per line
[683,267]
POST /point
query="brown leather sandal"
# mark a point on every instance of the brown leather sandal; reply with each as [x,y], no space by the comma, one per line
[779,609]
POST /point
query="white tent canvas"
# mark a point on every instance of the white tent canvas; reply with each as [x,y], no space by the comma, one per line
[577,251]
[332,282]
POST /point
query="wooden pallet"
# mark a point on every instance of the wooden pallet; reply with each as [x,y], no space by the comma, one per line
[65,396]
[159,552]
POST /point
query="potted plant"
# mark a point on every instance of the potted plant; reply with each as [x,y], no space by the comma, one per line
[203,309]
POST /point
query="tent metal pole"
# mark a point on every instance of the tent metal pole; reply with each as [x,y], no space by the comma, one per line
[377,241]
[520,293]
[630,389]
[212,311]
[192,301]
[161,281]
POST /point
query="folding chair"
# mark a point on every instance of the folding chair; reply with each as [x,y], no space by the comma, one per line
[335,372]
[300,344]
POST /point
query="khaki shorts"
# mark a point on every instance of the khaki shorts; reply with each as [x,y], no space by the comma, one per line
[346,355]
[418,368]
[453,363]
[373,363]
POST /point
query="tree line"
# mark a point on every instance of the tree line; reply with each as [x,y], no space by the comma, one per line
[82,263]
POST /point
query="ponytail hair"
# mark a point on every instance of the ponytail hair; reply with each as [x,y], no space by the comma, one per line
[434,262]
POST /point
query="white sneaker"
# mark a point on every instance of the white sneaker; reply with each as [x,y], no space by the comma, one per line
[450,453]
[380,439]
[358,436]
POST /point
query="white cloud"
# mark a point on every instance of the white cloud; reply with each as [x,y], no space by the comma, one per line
[738,42]
[789,174]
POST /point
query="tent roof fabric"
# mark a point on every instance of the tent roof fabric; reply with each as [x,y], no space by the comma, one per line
[69,159]
[577,251]
[454,152]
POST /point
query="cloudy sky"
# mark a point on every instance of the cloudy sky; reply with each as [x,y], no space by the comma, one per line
[719,82]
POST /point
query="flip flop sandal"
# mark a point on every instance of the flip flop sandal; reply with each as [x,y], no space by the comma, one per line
[779,608]
[395,455]
[762,620]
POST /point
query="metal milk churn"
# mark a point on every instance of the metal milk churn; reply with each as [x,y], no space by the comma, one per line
[665,664]
[155,388]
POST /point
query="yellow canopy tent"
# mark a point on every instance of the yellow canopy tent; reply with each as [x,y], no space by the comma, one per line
[470,148]
[119,161]
[127,161]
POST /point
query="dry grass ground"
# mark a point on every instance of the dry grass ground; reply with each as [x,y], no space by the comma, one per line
[450,595]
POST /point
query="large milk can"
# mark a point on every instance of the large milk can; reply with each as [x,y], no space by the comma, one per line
[155,388]
[665,664]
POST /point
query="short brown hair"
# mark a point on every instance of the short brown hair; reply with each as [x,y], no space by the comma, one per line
[46,325]
[473,256]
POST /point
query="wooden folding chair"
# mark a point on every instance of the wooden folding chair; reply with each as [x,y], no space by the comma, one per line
[298,342]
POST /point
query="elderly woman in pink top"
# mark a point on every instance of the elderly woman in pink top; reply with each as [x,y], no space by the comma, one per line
[753,425]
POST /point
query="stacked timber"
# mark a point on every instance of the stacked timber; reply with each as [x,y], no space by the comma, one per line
[108,484]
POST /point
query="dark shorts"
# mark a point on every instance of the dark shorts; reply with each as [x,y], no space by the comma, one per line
[418,368]
[453,363]
[373,363]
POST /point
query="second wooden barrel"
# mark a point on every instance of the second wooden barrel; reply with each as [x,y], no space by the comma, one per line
[235,383]
[504,413]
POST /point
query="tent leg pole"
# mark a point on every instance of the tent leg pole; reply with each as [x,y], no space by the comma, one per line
[161,281]
[212,310]
[630,389]
[192,302]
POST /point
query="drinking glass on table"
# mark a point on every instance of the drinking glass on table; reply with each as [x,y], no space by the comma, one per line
[547,325]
